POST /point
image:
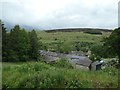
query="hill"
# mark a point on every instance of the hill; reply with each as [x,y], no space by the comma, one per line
[66,41]
[78,30]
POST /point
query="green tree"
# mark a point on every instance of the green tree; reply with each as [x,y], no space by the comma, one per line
[34,45]
[5,43]
[99,51]
[113,42]
[19,44]
[24,46]
[0,40]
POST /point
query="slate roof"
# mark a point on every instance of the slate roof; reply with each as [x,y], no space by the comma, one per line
[81,60]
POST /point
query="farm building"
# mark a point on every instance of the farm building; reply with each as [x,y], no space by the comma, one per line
[80,62]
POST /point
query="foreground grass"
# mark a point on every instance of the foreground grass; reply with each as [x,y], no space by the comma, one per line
[41,75]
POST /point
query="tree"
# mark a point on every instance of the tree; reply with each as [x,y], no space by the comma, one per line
[0,40]
[34,45]
[14,41]
[19,44]
[99,51]
[113,42]
[24,46]
[5,42]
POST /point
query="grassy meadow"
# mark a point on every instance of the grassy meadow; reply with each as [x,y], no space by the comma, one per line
[70,36]
[41,75]
[68,39]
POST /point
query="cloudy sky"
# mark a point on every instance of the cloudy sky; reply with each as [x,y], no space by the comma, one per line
[51,14]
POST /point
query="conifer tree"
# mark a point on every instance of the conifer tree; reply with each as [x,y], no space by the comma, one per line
[19,44]
[34,54]
[5,41]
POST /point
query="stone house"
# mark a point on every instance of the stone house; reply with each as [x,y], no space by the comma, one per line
[80,62]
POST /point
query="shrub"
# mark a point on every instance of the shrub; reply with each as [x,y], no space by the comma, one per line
[93,32]
[83,46]
[93,57]
[55,39]
[63,63]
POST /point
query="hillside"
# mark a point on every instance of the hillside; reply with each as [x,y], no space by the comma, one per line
[66,41]
[78,30]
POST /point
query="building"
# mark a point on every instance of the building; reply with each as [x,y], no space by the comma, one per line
[80,62]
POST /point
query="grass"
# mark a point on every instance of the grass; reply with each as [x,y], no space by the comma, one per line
[68,38]
[41,75]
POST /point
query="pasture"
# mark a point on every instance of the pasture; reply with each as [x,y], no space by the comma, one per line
[66,41]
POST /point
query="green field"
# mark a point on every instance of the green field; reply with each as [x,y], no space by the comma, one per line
[70,36]
[68,39]
[41,75]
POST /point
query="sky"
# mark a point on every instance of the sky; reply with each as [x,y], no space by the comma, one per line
[52,14]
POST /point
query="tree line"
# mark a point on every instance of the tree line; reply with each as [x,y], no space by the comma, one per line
[19,45]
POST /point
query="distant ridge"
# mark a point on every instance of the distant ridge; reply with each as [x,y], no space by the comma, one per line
[78,30]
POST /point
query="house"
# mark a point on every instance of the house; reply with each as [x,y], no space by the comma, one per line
[80,62]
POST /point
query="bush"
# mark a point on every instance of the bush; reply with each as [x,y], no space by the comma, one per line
[97,50]
[83,46]
[65,48]
[55,39]
[93,32]
[63,63]
[93,57]
[110,71]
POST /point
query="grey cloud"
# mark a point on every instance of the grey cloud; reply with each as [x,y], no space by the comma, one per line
[82,17]
[75,14]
